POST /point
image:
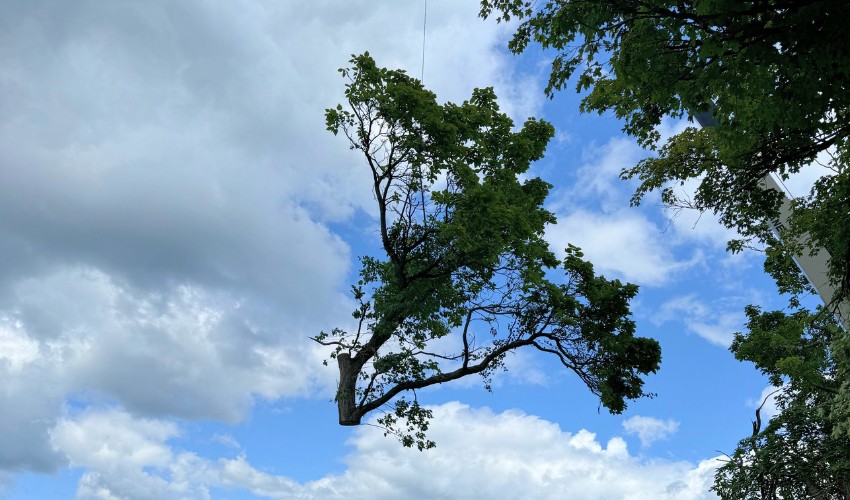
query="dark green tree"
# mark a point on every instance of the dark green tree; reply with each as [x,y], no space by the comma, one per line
[774,74]
[466,277]
[798,454]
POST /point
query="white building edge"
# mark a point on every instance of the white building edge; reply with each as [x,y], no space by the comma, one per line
[814,267]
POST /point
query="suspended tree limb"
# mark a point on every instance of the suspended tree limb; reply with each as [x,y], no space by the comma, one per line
[475,266]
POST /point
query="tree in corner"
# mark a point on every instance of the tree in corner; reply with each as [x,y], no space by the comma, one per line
[466,275]
[774,74]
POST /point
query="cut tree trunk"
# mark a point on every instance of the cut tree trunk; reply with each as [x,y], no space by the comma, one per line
[345,396]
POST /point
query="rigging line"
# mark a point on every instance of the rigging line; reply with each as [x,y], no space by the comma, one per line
[424,23]
[422,80]
[788,191]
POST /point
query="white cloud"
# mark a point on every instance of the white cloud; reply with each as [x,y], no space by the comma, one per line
[187,141]
[480,454]
[129,458]
[598,178]
[114,440]
[719,331]
[685,306]
[118,448]
[624,244]
[188,353]
[594,214]
[16,348]
[522,367]
[650,429]
[716,323]
[226,440]
[167,194]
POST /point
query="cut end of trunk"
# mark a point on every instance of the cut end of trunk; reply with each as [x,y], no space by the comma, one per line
[348,416]
[349,422]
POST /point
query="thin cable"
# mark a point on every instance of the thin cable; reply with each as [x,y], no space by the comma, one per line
[424,23]
[422,79]
[785,187]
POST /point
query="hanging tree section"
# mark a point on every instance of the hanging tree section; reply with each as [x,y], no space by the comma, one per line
[465,275]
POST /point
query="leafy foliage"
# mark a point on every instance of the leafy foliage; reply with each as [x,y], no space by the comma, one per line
[800,453]
[774,74]
[465,277]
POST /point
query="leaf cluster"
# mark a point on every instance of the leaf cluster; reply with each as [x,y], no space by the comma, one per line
[773,74]
[801,453]
[465,275]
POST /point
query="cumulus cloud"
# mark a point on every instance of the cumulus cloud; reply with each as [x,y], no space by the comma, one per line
[598,184]
[716,323]
[720,330]
[118,447]
[801,183]
[595,215]
[169,204]
[513,455]
[480,454]
[186,141]
[168,198]
[624,244]
[128,457]
[672,126]
[650,429]
[189,353]
[598,178]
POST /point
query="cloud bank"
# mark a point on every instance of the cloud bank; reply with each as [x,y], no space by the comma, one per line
[169,198]
[480,454]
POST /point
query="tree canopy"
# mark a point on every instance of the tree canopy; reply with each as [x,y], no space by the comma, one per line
[799,453]
[774,74]
[466,277]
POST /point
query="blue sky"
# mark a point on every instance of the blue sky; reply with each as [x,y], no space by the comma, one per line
[176,222]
